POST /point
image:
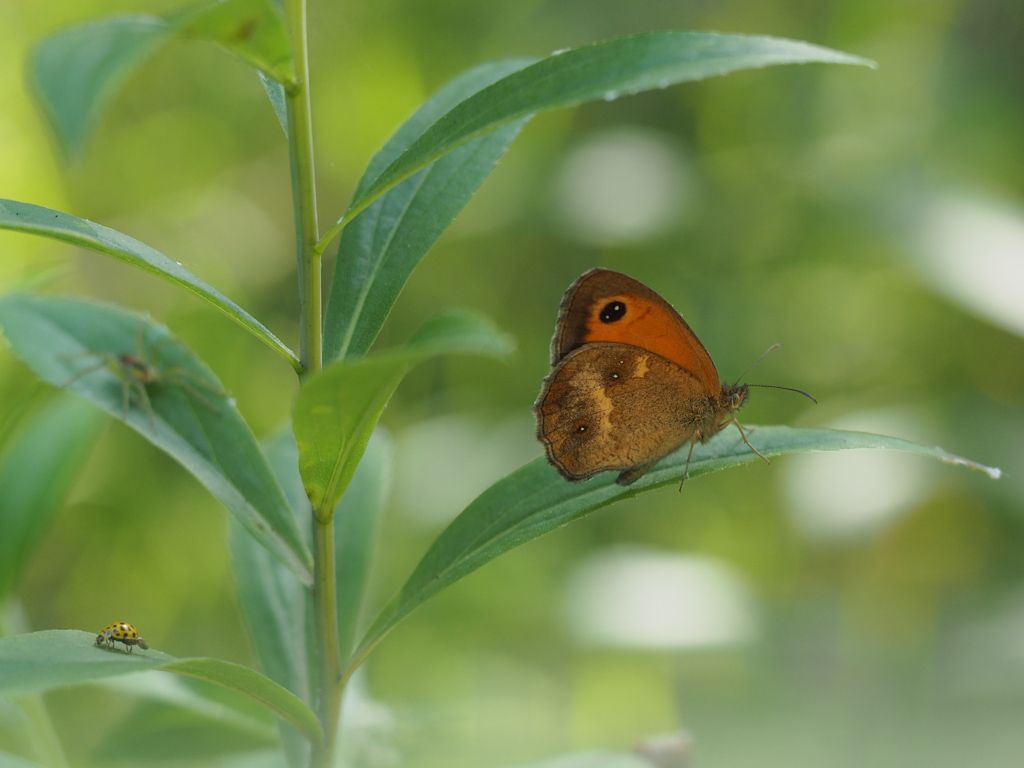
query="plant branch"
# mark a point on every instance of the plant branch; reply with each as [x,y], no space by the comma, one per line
[328,236]
[303,178]
[325,607]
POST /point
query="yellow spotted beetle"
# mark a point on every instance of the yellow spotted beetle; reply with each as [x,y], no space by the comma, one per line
[123,632]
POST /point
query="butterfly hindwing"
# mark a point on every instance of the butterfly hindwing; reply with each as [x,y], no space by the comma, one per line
[594,412]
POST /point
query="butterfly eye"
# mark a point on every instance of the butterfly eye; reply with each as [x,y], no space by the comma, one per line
[581,428]
[613,310]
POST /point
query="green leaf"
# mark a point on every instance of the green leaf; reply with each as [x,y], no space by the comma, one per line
[278,611]
[37,220]
[275,93]
[36,471]
[535,499]
[356,522]
[271,598]
[76,71]
[58,658]
[382,247]
[274,604]
[152,731]
[185,411]
[338,408]
[165,706]
[606,70]
[252,30]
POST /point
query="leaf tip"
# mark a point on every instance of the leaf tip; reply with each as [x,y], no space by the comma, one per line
[994,473]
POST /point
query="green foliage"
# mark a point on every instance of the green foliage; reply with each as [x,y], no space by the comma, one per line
[338,408]
[253,30]
[40,661]
[536,499]
[37,220]
[605,71]
[594,760]
[357,521]
[277,611]
[36,471]
[334,477]
[217,721]
[381,247]
[10,761]
[185,411]
[75,72]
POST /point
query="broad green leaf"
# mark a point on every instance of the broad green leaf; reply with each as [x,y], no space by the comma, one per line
[58,658]
[606,70]
[36,471]
[152,731]
[535,499]
[253,30]
[165,706]
[272,600]
[278,611]
[75,72]
[356,522]
[382,247]
[338,408]
[37,220]
[274,603]
[185,412]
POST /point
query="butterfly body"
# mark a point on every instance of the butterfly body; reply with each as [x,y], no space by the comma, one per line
[631,382]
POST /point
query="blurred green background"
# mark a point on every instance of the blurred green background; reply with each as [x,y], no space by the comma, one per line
[848,610]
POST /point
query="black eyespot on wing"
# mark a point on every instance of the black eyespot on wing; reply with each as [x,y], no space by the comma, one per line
[613,311]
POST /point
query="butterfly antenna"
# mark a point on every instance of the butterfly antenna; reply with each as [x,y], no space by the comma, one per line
[764,354]
[808,395]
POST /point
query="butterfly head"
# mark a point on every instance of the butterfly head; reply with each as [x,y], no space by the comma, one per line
[734,396]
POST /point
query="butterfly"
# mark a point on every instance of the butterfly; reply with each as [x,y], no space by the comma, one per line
[630,383]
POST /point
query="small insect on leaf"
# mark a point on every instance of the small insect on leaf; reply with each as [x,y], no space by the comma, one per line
[121,632]
[141,371]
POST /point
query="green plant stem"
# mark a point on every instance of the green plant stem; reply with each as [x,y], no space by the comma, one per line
[303,177]
[325,607]
[300,151]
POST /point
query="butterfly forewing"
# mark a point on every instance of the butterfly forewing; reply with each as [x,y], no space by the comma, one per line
[607,306]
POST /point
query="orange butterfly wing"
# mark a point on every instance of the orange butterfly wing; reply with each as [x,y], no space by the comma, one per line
[607,306]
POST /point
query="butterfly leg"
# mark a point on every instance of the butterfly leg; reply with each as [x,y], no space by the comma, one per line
[686,469]
[630,476]
[750,445]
